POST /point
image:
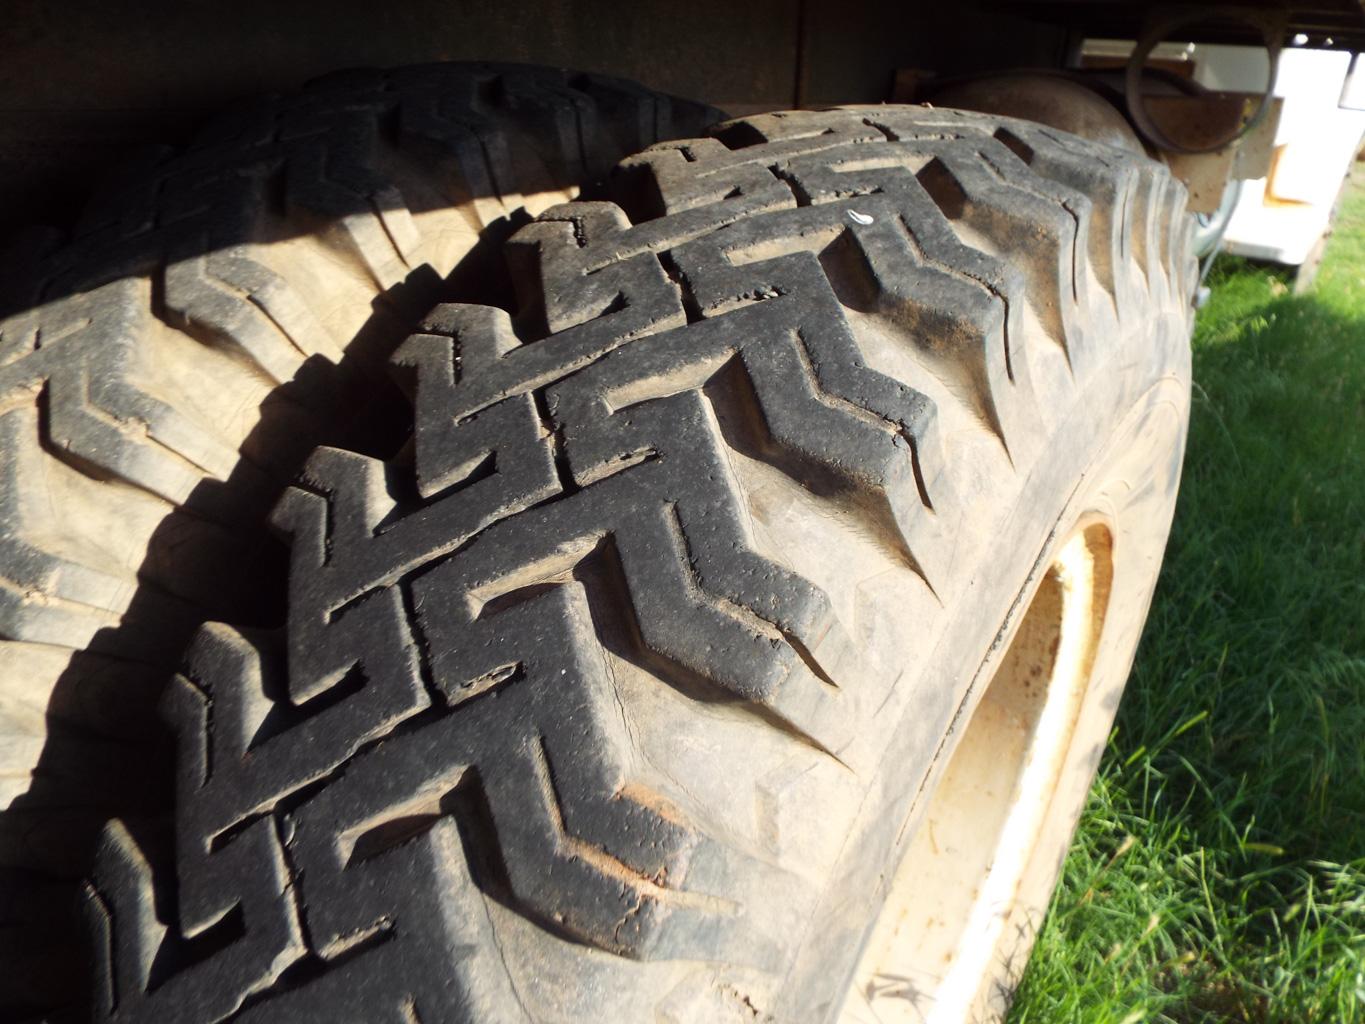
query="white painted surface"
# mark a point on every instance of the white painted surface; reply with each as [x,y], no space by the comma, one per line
[1282,217]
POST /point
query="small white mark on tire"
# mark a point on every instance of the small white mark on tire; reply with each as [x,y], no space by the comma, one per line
[859,218]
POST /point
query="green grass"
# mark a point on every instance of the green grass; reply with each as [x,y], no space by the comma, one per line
[1219,870]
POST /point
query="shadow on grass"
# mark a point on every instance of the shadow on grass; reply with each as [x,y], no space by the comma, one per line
[1219,871]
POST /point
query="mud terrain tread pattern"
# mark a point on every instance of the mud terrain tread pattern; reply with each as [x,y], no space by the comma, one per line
[438,724]
[165,369]
[165,270]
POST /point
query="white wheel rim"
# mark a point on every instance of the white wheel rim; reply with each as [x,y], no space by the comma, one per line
[934,950]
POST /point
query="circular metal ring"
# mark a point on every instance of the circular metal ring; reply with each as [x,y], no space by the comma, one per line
[1270,25]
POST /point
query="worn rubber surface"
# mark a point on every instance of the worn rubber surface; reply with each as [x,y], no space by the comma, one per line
[142,353]
[587,703]
[164,371]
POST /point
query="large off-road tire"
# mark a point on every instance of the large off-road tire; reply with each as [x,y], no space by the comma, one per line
[165,370]
[739,636]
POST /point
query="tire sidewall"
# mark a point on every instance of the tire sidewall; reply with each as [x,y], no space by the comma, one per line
[1117,453]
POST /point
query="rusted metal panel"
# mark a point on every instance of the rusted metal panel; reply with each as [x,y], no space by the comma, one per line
[1206,175]
[1197,122]
[1257,147]
[1202,120]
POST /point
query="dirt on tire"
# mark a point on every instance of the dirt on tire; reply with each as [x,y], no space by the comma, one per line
[613,694]
[167,365]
